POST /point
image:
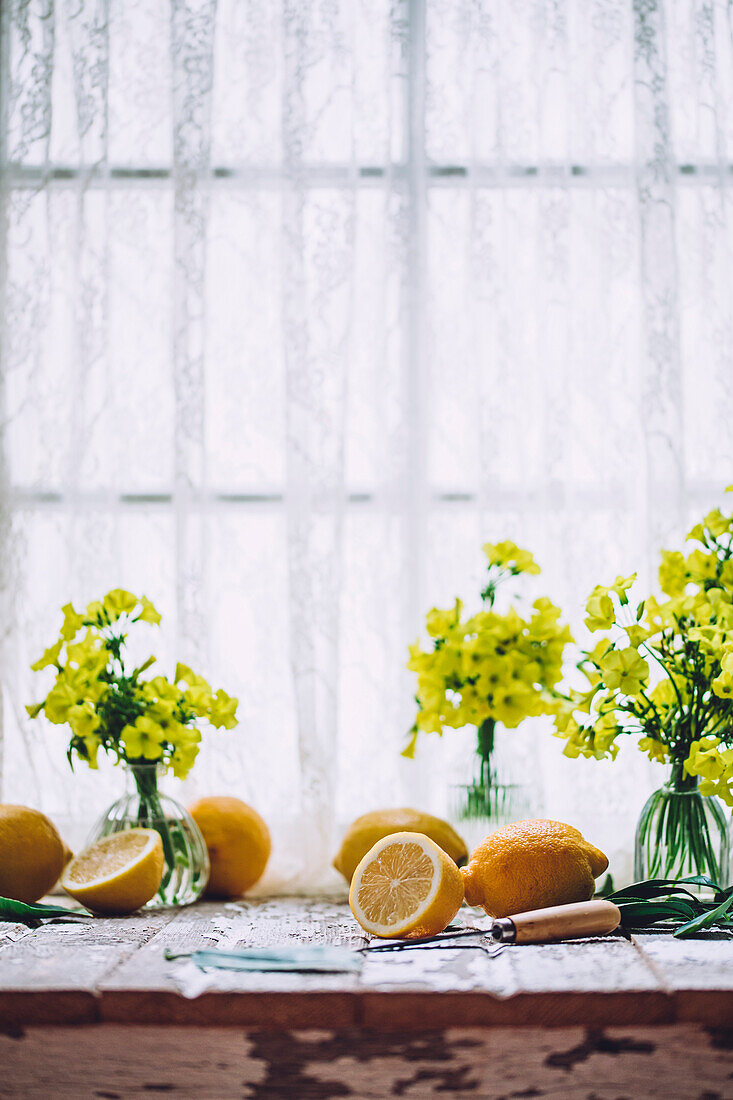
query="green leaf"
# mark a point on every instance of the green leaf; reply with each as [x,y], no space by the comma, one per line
[705,920]
[20,913]
[654,887]
[641,914]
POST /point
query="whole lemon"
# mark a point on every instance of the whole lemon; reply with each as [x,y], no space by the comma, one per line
[32,854]
[531,865]
[238,841]
[364,833]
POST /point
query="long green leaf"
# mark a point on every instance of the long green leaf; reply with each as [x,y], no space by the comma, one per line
[19,913]
[705,920]
[654,887]
[641,914]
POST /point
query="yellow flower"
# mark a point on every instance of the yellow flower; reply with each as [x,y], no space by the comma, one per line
[119,601]
[702,566]
[223,710]
[419,660]
[95,611]
[704,759]
[185,755]
[722,685]
[148,613]
[544,623]
[89,654]
[50,657]
[429,720]
[621,586]
[91,746]
[72,622]
[673,574]
[663,694]
[439,623]
[83,719]
[655,750]
[697,534]
[409,749]
[600,613]
[625,671]
[599,650]
[144,739]
[637,634]
[581,741]
[183,760]
[59,701]
[163,714]
[161,688]
[605,732]
[33,709]
[511,705]
[717,523]
[508,555]
[198,699]
[188,676]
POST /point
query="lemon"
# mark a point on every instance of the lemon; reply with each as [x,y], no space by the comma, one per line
[405,886]
[369,828]
[238,841]
[531,865]
[118,873]
[31,854]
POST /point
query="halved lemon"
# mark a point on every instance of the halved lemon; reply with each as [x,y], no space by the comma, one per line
[118,873]
[405,886]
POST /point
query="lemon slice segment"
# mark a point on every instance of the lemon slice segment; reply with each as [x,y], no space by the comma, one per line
[405,886]
[118,873]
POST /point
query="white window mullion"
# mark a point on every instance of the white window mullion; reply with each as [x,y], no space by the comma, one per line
[192,46]
[415,366]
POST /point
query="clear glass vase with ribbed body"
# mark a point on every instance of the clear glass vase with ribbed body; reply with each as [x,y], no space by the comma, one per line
[682,832]
[144,805]
[489,801]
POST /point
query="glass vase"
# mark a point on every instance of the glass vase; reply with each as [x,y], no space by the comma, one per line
[186,870]
[682,832]
[485,804]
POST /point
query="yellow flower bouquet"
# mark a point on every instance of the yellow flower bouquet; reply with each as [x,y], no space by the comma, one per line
[149,725]
[487,668]
[664,671]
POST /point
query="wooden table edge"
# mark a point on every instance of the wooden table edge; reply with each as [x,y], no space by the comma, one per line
[385,1010]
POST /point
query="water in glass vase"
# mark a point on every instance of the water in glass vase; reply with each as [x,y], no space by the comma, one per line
[186,870]
[480,807]
[682,833]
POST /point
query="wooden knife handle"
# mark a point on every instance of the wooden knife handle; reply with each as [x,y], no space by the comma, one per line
[566,922]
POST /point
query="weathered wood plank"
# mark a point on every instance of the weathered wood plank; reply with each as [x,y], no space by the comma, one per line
[130,1062]
[52,973]
[11,933]
[116,971]
[687,964]
[698,972]
[149,987]
[587,981]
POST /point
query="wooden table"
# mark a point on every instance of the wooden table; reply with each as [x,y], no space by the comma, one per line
[95,1009]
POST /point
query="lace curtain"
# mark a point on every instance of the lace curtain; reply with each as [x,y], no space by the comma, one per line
[303,301]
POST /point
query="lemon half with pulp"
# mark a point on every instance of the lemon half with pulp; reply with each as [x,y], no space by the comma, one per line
[117,874]
[405,886]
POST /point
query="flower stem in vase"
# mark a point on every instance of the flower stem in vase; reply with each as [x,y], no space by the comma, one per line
[151,813]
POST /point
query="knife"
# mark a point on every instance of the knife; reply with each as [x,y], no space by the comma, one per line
[559,922]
